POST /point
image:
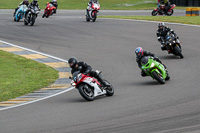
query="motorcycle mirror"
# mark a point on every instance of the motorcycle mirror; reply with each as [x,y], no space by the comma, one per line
[70,77]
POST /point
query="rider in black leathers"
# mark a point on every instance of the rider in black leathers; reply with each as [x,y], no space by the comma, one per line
[32,4]
[162,32]
[166,3]
[85,69]
[140,53]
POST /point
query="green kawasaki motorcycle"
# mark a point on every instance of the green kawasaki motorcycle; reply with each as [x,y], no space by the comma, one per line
[154,69]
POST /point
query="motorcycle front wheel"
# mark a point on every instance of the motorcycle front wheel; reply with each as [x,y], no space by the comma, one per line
[154,13]
[94,17]
[86,92]
[158,77]
[178,51]
[109,90]
[32,20]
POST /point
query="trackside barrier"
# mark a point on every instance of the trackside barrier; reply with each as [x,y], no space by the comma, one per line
[192,11]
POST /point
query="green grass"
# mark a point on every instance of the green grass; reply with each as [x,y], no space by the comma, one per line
[19,76]
[195,20]
[82,4]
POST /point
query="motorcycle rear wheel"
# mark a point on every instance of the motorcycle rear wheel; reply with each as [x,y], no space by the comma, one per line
[158,78]
[170,13]
[86,92]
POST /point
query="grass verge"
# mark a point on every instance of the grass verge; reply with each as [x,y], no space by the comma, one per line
[194,20]
[82,4]
[20,76]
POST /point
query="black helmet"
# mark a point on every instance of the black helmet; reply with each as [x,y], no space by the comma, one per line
[161,25]
[72,62]
[35,1]
[26,2]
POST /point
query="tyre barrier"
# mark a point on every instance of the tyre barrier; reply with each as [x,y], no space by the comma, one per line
[192,11]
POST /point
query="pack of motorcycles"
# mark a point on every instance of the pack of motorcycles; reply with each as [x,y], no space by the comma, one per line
[88,86]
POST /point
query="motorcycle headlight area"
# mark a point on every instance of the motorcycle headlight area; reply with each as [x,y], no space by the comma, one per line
[152,65]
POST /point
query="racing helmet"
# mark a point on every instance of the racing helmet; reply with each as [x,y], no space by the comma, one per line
[161,25]
[35,1]
[54,1]
[72,62]
[26,2]
[139,52]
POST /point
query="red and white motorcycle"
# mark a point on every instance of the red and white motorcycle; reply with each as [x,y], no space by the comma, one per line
[160,10]
[89,87]
[92,12]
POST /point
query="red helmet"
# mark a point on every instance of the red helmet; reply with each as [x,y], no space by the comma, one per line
[139,52]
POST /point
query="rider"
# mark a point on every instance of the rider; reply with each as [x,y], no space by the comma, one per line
[85,69]
[162,32]
[166,3]
[89,6]
[32,4]
[25,2]
[140,53]
[54,3]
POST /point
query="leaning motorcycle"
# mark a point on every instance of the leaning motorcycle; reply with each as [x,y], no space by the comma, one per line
[48,10]
[160,10]
[31,15]
[89,87]
[92,12]
[20,13]
[154,69]
[173,45]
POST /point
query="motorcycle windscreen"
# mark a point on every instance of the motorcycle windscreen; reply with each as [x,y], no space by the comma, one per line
[145,60]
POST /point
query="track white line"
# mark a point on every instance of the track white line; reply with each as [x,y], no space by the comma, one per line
[18,105]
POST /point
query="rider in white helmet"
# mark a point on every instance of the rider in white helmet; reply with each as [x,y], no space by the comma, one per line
[54,3]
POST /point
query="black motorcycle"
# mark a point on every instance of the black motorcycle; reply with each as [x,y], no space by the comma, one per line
[31,15]
[173,45]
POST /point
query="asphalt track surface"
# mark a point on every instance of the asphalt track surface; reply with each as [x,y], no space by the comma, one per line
[140,105]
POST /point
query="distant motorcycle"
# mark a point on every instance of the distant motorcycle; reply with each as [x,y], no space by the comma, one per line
[173,45]
[92,15]
[20,13]
[154,69]
[89,87]
[160,10]
[48,10]
[31,15]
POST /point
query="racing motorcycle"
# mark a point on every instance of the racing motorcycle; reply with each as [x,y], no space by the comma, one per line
[92,12]
[20,13]
[160,10]
[89,87]
[154,69]
[48,10]
[173,45]
[31,15]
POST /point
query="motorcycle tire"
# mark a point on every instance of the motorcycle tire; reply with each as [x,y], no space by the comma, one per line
[109,90]
[86,92]
[32,20]
[154,13]
[158,78]
[25,23]
[87,18]
[43,15]
[18,18]
[94,17]
[14,19]
[178,51]
[170,13]
[168,77]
